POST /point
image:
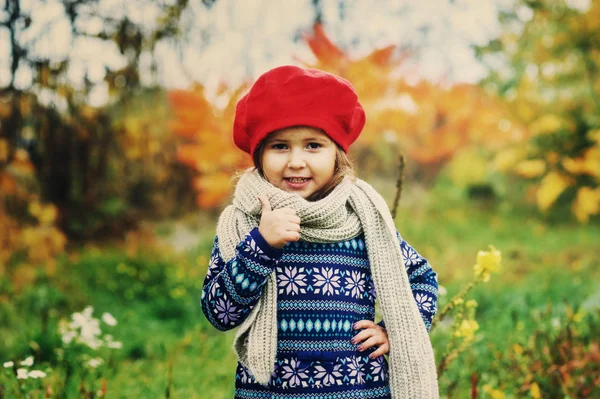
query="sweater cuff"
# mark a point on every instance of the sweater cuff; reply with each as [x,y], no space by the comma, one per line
[271,252]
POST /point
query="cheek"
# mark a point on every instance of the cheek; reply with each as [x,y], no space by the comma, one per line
[330,164]
[271,166]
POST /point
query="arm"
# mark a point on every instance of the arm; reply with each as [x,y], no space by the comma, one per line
[232,289]
[423,282]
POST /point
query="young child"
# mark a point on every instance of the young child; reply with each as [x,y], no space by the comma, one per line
[305,249]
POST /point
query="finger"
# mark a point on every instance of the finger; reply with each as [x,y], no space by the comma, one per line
[374,340]
[360,337]
[266,205]
[382,350]
[294,219]
[291,236]
[362,324]
[363,335]
[293,227]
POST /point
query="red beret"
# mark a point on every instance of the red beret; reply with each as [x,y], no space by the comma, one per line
[291,96]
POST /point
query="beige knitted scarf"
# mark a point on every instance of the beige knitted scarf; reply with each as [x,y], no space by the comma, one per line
[351,208]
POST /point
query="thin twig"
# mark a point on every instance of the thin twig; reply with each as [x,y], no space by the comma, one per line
[399,181]
[169,378]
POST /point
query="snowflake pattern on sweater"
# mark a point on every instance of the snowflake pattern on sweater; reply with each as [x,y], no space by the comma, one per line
[322,290]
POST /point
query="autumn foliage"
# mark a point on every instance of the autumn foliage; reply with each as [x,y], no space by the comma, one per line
[552,88]
[208,147]
[430,122]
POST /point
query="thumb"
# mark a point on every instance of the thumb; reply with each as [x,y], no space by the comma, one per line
[266,205]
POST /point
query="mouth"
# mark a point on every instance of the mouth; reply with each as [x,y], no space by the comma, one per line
[297,182]
[297,179]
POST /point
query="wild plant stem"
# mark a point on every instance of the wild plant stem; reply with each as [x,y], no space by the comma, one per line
[399,182]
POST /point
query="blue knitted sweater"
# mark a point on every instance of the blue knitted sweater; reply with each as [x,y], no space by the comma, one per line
[322,289]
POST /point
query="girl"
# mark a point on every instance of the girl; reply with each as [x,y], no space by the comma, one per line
[304,250]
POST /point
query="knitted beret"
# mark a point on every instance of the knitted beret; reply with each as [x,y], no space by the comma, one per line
[292,96]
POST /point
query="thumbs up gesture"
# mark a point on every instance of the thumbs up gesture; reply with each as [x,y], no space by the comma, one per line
[279,226]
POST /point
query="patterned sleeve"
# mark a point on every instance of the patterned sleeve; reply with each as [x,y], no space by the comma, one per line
[423,282]
[232,289]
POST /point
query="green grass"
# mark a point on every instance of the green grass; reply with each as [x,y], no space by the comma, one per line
[168,344]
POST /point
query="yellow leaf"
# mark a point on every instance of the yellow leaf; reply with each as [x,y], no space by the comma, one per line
[3,150]
[594,135]
[548,123]
[35,209]
[551,186]
[507,158]
[587,203]
[575,166]
[534,390]
[531,168]
[468,167]
[518,349]
[48,214]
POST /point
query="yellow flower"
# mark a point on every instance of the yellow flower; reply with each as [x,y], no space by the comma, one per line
[467,329]
[487,262]
[471,303]
[490,260]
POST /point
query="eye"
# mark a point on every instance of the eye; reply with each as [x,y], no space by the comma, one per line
[279,146]
[313,145]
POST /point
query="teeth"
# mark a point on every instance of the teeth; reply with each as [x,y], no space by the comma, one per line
[297,180]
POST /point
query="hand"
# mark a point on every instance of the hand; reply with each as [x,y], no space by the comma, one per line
[372,334]
[279,226]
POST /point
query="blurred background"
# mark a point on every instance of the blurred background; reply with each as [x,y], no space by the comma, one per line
[116,159]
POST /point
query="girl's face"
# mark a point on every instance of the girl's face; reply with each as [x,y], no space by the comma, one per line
[299,159]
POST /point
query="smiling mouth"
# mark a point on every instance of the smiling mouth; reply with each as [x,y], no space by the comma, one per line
[297,179]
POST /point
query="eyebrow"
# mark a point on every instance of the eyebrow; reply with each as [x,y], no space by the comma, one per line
[312,138]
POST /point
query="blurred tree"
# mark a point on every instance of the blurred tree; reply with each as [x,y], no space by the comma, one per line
[92,162]
[430,122]
[545,66]
[208,148]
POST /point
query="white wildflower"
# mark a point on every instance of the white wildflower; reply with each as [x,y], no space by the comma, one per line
[115,345]
[87,312]
[95,362]
[8,365]
[109,319]
[27,362]
[36,374]
[89,328]
[68,336]
[21,374]
[442,290]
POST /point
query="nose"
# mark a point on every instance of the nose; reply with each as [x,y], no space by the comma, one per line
[296,160]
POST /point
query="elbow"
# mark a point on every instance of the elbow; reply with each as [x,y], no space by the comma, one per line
[222,314]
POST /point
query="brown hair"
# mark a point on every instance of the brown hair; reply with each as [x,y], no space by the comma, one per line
[342,168]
